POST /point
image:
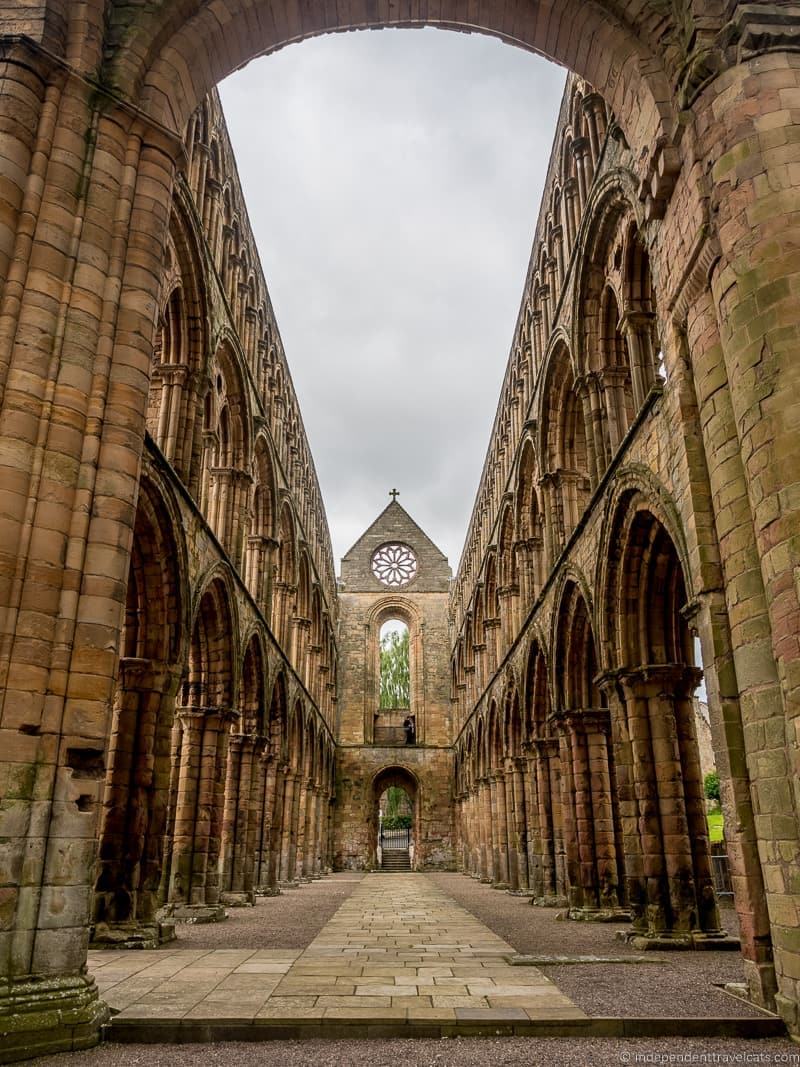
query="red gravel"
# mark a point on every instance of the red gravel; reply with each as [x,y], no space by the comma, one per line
[685,984]
[291,920]
[452,1052]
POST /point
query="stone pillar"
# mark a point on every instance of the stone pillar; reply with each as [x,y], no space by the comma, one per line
[571,212]
[520,824]
[499,830]
[736,636]
[238,845]
[583,168]
[319,850]
[543,296]
[593,421]
[286,836]
[746,147]
[637,329]
[172,377]
[485,859]
[188,761]
[533,817]
[547,751]
[135,807]
[676,900]
[590,837]
[84,182]
[596,724]
[194,879]
[231,814]
[614,380]
[260,552]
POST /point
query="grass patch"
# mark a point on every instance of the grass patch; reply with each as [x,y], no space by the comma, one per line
[714,825]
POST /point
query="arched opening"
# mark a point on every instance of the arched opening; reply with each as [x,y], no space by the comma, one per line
[395,820]
[270,791]
[563,445]
[199,756]
[135,805]
[242,786]
[289,869]
[668,865]
[592,830]
[395,718]
[545,833]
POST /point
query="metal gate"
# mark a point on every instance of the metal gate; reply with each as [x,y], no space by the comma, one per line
[395,838]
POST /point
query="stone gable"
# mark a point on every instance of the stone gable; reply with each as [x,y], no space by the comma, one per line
[394,524]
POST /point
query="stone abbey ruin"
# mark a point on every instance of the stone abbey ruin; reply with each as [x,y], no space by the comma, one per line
[190,711]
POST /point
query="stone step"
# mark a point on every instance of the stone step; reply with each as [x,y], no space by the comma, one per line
[395,859]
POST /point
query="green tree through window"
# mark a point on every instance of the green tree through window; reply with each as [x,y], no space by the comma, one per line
[395,679]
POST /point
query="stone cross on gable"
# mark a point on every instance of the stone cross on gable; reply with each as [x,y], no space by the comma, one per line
[393,493]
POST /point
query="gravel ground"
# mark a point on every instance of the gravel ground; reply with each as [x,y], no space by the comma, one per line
[684,985]
[291,920]
[453,1052]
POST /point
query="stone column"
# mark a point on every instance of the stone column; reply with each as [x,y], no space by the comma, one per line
[188,757]
[583,168]
[286,870]
[547,750]
[614,380]
[172,377]
[194,879]
[533,819]
[238,839]
[260,552]
[543,296]
[571,212]
[84,182]
[584,896]
[680,903]
[499,830]
[491,628]
[276,780]
[637,329]
[568,814]
[749,152]
[135,807]
[485,865]
[596,724]
[319,852]
[232,814]
[593,420]
[515,777]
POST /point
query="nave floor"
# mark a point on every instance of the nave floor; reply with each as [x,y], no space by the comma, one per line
[335,971]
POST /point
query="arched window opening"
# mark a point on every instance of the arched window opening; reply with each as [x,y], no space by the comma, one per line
[395,691]
[394,718]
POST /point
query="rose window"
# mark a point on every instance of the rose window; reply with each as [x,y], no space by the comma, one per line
[394,565]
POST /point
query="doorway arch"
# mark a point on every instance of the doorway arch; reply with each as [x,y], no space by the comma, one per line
[395,777]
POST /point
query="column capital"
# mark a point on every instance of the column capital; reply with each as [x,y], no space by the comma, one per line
[660,679]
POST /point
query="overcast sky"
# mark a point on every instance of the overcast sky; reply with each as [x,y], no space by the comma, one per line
[393,182]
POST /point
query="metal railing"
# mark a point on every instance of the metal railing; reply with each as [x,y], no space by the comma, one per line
[720,871]
[395,838]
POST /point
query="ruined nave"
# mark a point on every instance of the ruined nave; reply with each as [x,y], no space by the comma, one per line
[200,710]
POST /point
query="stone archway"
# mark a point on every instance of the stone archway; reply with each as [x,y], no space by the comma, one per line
[86,213]
[397,778]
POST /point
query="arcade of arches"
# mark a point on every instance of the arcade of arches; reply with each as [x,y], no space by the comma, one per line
[190,700]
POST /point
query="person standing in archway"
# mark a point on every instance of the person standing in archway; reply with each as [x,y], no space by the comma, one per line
[409,725]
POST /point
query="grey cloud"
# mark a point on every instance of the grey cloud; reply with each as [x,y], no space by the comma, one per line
[393,181]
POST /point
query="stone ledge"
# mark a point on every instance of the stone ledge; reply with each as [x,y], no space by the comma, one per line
[520,960]
[156,1031]
[689,943]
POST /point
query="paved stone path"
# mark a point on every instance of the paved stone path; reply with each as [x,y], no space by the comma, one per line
[398,950]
